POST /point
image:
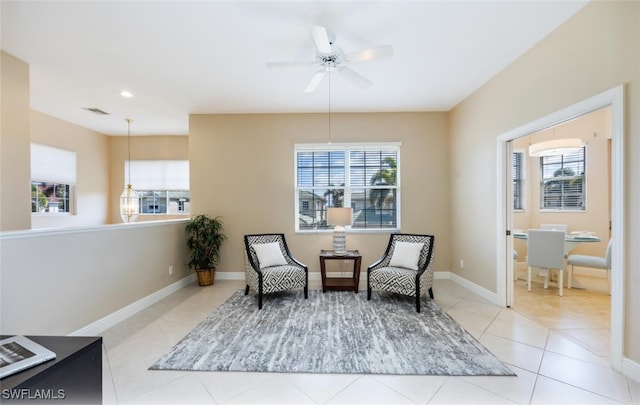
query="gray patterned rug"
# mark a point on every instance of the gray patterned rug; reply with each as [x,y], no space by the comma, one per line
[336,332]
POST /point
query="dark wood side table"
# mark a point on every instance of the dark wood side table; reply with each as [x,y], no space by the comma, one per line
[340,283]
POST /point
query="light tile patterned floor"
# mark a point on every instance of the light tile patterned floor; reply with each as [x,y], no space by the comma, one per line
[556,361]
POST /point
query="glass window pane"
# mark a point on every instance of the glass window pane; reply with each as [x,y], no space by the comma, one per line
[562,185]
[179,202]
[517,180]
[374,208]
[372,193]
[50,197]
[313,204]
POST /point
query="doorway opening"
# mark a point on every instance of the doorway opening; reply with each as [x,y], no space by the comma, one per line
[612,99]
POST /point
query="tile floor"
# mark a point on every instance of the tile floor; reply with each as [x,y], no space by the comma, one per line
[555,364]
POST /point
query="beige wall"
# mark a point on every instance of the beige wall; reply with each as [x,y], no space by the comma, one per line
[59,281]
[142,148]
[595,130]
[92,160]
[242,168]
[596,50]
[14,144]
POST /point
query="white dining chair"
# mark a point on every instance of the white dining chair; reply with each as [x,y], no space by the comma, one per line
[545,250]
[555,227]
[596,262]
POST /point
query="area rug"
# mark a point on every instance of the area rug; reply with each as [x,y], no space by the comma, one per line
[333,332]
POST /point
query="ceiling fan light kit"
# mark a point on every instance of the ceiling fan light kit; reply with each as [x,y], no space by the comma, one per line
[331,58]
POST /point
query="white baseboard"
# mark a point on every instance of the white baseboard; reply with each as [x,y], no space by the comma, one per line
[481,291]
[99,326]
[230,275]
[631,369]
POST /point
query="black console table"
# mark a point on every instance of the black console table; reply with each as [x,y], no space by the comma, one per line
[75,376]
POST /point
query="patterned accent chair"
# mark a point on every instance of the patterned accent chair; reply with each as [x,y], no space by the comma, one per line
[405,268]
[270,267]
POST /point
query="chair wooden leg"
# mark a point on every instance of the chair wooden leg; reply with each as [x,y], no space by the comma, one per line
[417,303]
[368,293]
[246,290]
[431,292]
[306,292]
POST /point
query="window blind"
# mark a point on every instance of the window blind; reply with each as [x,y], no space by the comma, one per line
[50,164]
[158,174]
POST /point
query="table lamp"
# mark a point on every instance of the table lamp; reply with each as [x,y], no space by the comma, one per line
[339,217]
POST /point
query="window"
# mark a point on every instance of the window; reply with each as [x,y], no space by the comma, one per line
[518,179]
[53,179]
[563,181]
[162,185]
[364,177]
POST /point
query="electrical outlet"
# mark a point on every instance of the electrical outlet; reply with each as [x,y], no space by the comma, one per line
[461,264]
[170,270]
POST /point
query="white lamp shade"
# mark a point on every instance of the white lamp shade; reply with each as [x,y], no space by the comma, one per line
[339,216]
[556,147]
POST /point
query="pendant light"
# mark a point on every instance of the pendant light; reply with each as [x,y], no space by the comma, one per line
[129,203]
[556,147]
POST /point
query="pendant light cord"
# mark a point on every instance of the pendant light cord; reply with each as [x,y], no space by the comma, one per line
[329,107]
[129,147]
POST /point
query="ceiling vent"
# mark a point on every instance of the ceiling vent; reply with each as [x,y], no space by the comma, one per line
[96,111]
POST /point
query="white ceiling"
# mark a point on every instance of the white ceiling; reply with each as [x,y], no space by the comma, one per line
[201,57]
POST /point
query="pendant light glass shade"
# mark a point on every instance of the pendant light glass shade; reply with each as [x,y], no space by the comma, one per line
[556,147]
[129,203]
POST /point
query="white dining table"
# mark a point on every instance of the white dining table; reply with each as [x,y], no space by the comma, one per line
[570,242]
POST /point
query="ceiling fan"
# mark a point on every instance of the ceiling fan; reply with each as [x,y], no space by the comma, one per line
[332,58]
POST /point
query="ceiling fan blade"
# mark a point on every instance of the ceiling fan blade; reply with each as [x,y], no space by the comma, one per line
[315,81]
[354,76]
[370,53]
[291,63]
[321,39]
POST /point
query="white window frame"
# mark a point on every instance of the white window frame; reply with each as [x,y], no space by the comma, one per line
[346,147]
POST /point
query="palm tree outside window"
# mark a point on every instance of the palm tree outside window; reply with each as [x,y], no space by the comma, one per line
[364,177]
[563,181]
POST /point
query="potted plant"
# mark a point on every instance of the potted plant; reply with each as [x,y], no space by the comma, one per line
[204,239]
